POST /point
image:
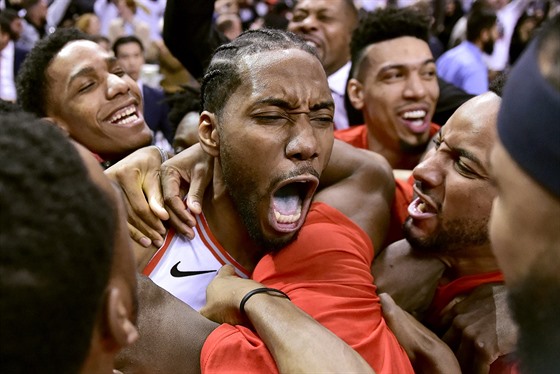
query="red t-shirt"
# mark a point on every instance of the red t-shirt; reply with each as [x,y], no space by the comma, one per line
[357,135]
[326,273]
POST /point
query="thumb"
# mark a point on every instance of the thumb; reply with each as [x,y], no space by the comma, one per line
[199,181]
[226,270]
[388,304]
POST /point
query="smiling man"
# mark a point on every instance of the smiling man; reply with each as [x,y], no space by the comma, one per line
[394,83]
[81,88]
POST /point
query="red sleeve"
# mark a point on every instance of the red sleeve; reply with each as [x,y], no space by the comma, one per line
[235,349]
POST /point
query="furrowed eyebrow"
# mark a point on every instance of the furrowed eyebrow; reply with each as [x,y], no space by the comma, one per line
[323,105]
[287,106]
[469,155]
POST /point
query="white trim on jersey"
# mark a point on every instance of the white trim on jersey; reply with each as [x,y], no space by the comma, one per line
[185,267]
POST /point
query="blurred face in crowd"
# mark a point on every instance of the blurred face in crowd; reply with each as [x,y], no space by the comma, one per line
[131,58]
[328,26]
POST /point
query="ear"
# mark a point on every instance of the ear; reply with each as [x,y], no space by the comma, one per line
[208,133]
[120,329]
[356,93]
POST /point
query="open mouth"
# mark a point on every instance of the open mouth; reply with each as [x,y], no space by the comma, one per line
[290,204]
[416,120]
[420,209]
[125,116]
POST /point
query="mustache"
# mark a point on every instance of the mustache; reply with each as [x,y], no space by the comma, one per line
[301,169]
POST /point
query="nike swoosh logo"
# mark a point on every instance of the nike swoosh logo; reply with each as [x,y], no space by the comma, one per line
[175,272]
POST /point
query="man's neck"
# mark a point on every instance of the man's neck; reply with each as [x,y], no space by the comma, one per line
[227,226]
[395,156]
[470,261]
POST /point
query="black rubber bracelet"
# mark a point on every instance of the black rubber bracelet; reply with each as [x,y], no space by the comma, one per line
[272,291]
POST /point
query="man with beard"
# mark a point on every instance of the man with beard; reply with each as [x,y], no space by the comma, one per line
[270,141]
[447,255]
[525,225]
[394,83]
[464,65]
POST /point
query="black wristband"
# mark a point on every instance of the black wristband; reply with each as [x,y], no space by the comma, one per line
[271,291]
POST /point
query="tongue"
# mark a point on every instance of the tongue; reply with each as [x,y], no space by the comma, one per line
[287,200]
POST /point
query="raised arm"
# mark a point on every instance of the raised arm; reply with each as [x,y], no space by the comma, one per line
[189,33]
[360,184]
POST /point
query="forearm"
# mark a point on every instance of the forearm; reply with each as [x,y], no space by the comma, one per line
[56,11]
[192,18]
[297,342]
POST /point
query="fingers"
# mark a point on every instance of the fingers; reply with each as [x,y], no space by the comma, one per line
[138,236]
[155,198]
[180,226]
[171,185]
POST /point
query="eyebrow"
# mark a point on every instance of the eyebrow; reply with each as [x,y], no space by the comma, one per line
[87,70]
[400,66]
[287,106]
[466,154]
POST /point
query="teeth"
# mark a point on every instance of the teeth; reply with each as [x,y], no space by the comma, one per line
[281,218]
[309,42]
[422,207]
[415,114]
[129,115]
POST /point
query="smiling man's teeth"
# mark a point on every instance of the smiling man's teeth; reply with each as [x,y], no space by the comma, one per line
[415,114]
[281,218]
[125,117]
[422,207]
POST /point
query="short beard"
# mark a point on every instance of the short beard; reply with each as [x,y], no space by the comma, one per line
[535,304]
[245,202]
[451,236]
[410,149]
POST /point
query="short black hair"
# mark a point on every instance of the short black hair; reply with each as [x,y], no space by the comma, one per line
[478,20]
[224,74]
[387,24]
[56,249]
[31,82]
[183,102]
[125,40]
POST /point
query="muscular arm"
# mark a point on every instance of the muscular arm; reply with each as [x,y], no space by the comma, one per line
[291,335]
[192,18]
[171,334]
[409,277]
[360,184]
